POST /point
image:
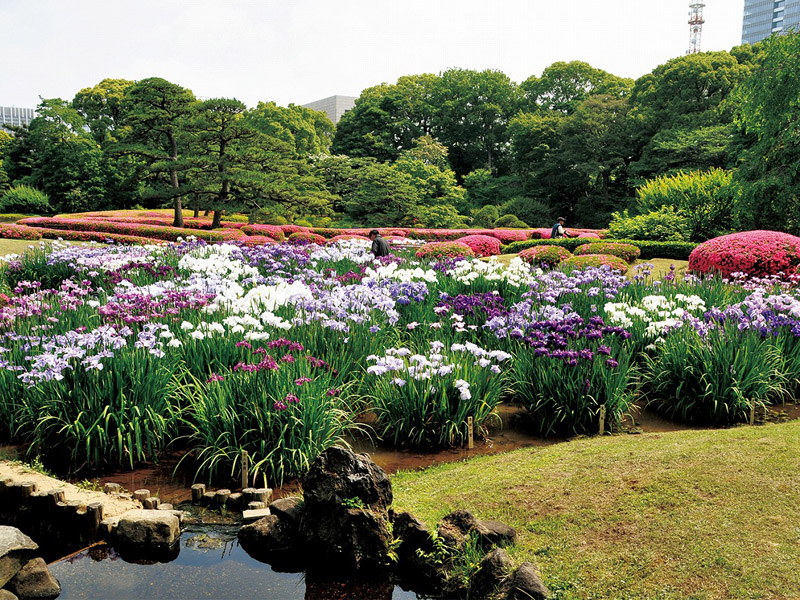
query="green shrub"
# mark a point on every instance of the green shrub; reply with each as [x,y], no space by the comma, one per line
[442,216]
[664,224]
[303,223]
[674,250]
[529,210]
[266,217]
[25,199]
[12,217]
[595,260]
[705,198]
[627,252]
[510,221]
[545,255]
[485,217]
[236,218]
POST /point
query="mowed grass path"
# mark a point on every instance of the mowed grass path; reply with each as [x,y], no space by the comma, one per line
[695,514]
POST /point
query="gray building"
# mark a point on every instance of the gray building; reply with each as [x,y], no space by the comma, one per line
[334,107]
[762,18]
[11,115]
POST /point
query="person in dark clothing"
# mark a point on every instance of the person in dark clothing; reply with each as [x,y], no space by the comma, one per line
[379,245]
[558,230]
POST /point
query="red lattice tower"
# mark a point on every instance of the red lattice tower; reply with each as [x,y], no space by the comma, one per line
[696,21]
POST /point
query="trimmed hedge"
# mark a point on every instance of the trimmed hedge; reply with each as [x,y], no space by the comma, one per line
[627,252]
[674,250]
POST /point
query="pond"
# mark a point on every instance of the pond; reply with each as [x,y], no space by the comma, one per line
[210,564]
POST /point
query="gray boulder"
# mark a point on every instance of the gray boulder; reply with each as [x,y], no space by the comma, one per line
[455,527]
[272,540]
[16,549]
[287,509]
[526,584]
[34,581]
[496,533]
[6,595]
[147,531]
[492,572]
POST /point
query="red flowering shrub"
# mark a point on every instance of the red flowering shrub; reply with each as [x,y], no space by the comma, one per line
[441,235]
[271,231]
[595,260]
[131,229]
[19,232]
[545,255]
[305,237]
[628,252]
[481,245]
[257,240]
[438,250]
[757,253]
[507,236]
[93,236]
[347,236]
[589,234]
[290,229]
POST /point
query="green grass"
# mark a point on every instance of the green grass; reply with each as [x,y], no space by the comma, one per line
[20,246]
[693,514]
[661,264]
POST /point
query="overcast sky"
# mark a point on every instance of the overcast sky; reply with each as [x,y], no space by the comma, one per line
[304,50]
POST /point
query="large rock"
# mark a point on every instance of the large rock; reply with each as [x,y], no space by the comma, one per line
[272,540]
[344,523]
[492,572]
[34,581]
[455,527]
[288,509]
[496,533]
[526,584]
[415,545]
[145,531]
[6,595]
[338,476]
[16,549]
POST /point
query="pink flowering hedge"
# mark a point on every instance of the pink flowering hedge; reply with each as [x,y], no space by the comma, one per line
[131,229]
[481,245]
[589,235]
[257,240]
[595,260]
[545,255]
[93,236]
[305,237]
[439,250]
[756,253]
[18,232]
[627,252]
[270,231]
[290,229]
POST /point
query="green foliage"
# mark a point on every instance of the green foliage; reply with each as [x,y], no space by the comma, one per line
[706,199]
[716,378]
[25,199]
[102,106]
[627,252]
[766,107]
[529,210]
[306,132]
[442,216]
[676,250]
[484,189]
[550,255]
[426,163]
[511,221]
[663,224]
[485,217]
[595,260]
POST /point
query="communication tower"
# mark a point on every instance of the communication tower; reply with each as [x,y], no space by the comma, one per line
[696,21]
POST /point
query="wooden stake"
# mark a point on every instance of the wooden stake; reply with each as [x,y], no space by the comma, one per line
[245,469]
[752,413]
[470,428]
[602,425]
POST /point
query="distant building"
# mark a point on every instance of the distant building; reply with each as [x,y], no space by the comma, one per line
[762,18]
[11,115]
[334,107]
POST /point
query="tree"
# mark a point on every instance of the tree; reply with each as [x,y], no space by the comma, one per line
[156,113]
[102,108]
[307,132]
[473,109]
[430,173]
[234,165]
[5,141]
[767,108]
[563,86]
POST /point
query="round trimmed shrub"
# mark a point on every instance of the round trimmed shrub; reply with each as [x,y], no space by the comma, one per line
[481,245]
[19,232]
[756,253]
[438,250]
[305,237]
[595,260]
[589,235]
[289,229]
[272,231]
[627,252]
[545,255]
[257,240]
[512,221]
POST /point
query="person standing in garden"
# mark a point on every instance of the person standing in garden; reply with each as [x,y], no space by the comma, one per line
[379,245]
[558,230]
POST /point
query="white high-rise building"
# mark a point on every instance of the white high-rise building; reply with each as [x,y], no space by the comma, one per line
[12,115]
[334,106]
[762,18]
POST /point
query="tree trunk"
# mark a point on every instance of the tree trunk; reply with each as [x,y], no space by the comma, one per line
[196,208]
[216,223]
[177,200]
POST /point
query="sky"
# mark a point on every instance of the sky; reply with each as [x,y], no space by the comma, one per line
[298,51]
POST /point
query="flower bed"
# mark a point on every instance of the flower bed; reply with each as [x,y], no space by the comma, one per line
[545,255]
[132,229]
[18,232]
[595,260]
[271,231]
[627,252]
[439,250]
[305,237]
[481,245]
[92,236]
[756,253]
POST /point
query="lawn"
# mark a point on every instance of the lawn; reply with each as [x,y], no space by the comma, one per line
[20,246]
[694,514]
